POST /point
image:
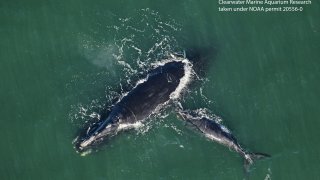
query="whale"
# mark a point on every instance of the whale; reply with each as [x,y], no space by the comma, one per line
[161,85]
[217,132]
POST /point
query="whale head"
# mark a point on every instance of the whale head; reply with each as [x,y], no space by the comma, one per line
[94,135]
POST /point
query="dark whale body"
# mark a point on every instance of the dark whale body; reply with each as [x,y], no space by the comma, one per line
[219,133]
[138,104]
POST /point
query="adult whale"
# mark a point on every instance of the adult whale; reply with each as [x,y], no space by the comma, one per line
[162,84]
[219,133]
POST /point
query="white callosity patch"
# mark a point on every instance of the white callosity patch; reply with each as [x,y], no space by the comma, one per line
[225,129]
[125,126]
[214,138]
[87,142]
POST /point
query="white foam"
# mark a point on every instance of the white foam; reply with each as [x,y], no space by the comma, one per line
[176,129]
[94,115]
[139,82]
[144,128]
[268,176]
[206,113]
[184,81]
[137,49]
[86,152]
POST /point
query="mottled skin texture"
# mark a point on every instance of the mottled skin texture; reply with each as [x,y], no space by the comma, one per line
[138,104]
[217,132]
[212,130]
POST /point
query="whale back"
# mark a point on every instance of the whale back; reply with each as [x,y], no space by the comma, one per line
[154,91]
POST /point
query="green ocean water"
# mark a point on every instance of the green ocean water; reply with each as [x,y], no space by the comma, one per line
[63,61]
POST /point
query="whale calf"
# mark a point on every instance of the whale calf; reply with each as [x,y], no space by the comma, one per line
[219,133]
[162,84]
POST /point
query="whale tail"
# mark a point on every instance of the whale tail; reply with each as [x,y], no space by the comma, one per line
[250,158]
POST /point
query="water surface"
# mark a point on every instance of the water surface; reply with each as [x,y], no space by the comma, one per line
[62,62]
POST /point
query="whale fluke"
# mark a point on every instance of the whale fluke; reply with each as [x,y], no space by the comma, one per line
[250,158]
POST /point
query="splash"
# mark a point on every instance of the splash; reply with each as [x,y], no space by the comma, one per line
[268,176]
[184,81]
[136,41]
